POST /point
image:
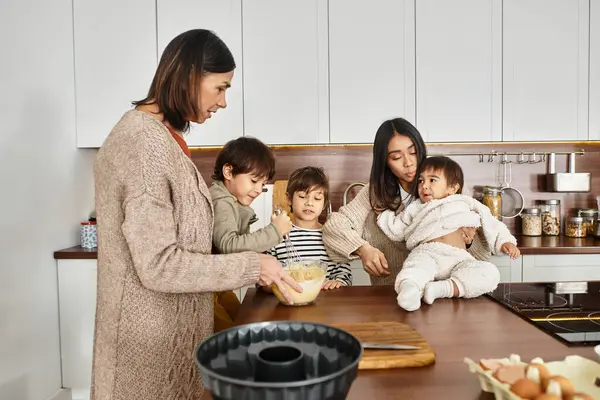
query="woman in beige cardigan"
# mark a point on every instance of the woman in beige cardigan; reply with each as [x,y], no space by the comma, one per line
[352,232]
[156,276]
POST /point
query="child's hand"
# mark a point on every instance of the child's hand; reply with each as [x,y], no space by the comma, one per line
[282,222]
[511,250]
[330,285]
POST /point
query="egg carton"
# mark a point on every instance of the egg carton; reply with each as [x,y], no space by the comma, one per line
[582,372]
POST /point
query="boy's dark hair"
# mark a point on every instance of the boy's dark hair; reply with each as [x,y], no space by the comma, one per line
[450,168]
[176,82]
[306,178]
[246,155]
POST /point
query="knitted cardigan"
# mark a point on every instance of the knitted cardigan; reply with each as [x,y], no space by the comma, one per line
[156,276]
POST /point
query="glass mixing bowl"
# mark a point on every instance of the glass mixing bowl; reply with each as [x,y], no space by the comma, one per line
[310,274]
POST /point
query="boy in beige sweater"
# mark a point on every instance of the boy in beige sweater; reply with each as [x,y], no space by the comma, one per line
[241,170]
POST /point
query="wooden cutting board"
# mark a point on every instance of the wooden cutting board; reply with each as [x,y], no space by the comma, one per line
[390,333]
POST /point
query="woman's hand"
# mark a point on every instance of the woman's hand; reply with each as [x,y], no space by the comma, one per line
[373,260]
[271,272]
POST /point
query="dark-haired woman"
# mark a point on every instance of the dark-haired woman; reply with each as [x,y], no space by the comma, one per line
[352,231]
[156,276]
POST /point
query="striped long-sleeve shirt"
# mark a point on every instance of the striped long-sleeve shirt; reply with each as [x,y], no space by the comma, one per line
[309,245]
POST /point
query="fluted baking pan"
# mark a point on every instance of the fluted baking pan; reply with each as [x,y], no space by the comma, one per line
[279,360]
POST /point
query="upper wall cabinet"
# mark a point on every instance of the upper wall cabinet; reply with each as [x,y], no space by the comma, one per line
[545,69]
[285,71]
[459,70]
[224,17]
[115,60]
[594,128]
[371,66]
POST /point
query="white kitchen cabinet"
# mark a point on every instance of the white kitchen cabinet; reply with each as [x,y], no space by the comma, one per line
[545,69]
[360,277]
[371,66]
[286,71]
[561,268]
[594,118]
[510,270]
[77,307]
[115,60]
[263,207]
[459,70]
[224,17]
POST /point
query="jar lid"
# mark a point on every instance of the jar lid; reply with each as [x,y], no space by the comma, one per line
[89,223]
[492,189]
[531,211]
[575,219]
[552,202]
[586,212]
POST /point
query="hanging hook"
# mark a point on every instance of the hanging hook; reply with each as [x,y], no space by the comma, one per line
[481,157]
[533,158]
[521,159]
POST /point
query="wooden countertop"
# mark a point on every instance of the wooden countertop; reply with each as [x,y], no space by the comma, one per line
[458,328]
[527,244]
[76,253]
[558,245]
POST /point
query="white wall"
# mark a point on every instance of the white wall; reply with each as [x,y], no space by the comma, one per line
[46,188]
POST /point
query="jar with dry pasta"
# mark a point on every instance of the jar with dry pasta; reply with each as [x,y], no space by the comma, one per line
[575,227]
[550,213]
[492,198]
[531,222]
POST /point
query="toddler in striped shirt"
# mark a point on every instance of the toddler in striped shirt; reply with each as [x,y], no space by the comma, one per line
[307,193]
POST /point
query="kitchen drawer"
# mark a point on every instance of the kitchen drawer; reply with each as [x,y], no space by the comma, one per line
[510,270]
[360,277]
[561,268]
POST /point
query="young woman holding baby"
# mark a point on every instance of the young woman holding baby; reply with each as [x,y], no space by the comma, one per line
[352,232]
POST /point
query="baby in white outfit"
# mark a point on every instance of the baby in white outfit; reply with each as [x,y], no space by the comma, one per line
[439,265]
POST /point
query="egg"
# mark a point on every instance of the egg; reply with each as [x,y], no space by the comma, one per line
[515,359]
[526,389]
[560,386]
[538,373]
[546,396]
[579,396]
[510,373]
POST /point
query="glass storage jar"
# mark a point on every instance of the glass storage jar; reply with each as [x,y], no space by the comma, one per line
[550,213]
[492,198]
[531,222]
[575,227]
[589,216]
